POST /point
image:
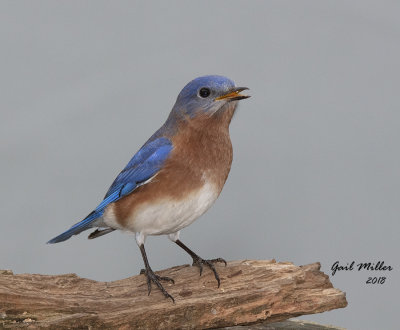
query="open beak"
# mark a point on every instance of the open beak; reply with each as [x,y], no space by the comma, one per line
[233,95]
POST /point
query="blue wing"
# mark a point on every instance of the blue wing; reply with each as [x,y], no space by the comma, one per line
[146,163]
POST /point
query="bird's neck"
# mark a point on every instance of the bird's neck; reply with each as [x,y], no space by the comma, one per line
[225,114]
[219,121]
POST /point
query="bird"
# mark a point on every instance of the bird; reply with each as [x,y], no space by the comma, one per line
[175,177]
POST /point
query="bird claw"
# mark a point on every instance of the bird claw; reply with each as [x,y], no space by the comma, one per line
[199,262]
[153,277]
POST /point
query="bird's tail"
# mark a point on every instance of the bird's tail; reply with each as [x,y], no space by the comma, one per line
[77,228]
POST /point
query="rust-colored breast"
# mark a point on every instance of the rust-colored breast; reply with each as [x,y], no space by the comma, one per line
[202,152]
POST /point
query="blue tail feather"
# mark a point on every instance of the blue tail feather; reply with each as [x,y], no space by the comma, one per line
[88,221]
[77,228]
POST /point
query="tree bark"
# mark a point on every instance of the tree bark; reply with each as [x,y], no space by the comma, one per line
[251,291]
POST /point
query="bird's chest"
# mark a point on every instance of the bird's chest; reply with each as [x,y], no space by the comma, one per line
[189,182]
[192,179]
[204,154]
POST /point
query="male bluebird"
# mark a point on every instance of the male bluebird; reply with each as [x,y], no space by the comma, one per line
[175,176]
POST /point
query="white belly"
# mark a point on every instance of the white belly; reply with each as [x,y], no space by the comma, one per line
[167,216]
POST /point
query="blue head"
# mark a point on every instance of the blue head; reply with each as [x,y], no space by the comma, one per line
[207,95]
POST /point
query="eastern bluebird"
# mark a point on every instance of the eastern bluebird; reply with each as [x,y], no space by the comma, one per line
[175,176]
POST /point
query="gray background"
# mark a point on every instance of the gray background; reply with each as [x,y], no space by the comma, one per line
[316,149]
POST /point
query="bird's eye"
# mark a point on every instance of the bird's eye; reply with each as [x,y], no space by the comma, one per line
[204,92]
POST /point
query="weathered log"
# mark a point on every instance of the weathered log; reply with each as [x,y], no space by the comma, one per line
[251,291]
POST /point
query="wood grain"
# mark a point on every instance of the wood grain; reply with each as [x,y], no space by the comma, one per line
[251,291]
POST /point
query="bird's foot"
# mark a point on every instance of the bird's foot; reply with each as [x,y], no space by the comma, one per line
[199,262]
[153,277]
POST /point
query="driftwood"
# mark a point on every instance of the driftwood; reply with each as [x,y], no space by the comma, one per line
[251,291]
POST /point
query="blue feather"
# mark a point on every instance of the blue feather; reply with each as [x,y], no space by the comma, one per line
[75,229]
[143,165]
[146,162]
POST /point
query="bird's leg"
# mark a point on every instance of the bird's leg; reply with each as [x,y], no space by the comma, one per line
[199,262]
[152,277]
